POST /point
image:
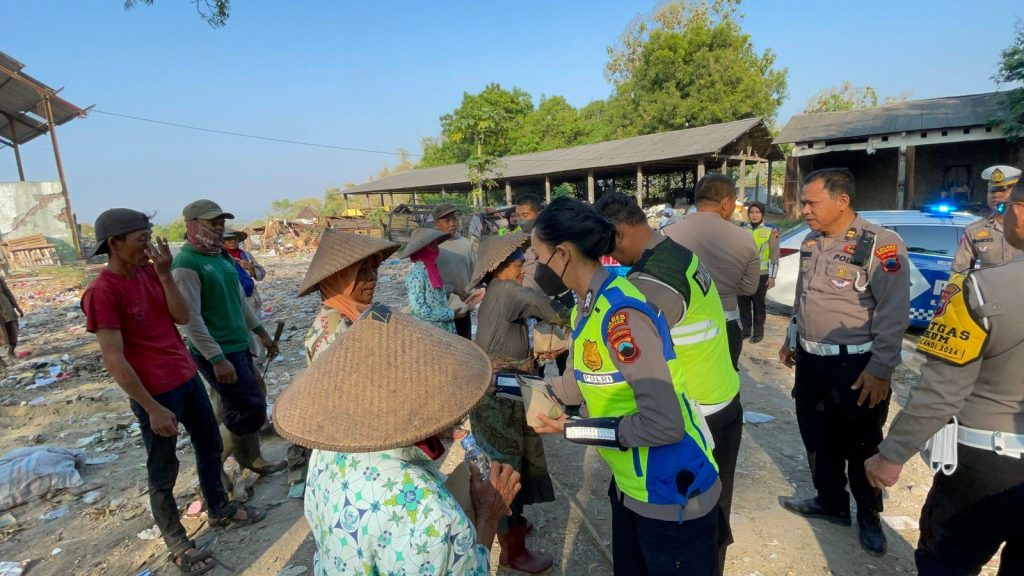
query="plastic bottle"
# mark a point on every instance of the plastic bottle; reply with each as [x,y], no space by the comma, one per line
[476,457]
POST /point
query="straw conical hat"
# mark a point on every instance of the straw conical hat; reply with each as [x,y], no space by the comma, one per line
[421,238]
[493,251]
[339,250]
[383,385]
[236,234]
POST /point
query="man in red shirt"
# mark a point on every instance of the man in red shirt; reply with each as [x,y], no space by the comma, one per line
[132,308]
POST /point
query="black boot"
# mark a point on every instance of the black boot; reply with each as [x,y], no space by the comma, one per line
[745,332]
[758,335]
[811,508]
[872,538]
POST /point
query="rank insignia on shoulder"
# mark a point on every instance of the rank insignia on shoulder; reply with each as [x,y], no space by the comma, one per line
[983,233]
[851,233]
[810,243]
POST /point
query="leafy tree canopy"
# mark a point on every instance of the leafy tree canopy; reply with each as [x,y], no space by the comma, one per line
[1011,71]
[215,12]
[848,97]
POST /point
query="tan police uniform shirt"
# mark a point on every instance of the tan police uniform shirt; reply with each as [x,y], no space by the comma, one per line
[983,240]
[840,303]
[986,394]
[727,251]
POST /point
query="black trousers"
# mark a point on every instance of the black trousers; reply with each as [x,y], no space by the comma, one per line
[464,327]
[191,406]
[752,312]
[968,515]
[244,404]
[838,435]
[646,547]
[726,428]
[732,330]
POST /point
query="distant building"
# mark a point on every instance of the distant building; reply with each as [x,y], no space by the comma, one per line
[902,155]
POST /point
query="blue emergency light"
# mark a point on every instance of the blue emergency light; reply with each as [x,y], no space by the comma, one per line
[939,208]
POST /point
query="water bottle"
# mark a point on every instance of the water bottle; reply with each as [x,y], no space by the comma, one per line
[476,457]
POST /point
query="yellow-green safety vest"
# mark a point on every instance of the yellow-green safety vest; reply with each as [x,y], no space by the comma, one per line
[669,474]
[762,237]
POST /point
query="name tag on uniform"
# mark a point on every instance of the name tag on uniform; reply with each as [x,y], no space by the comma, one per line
[598,378]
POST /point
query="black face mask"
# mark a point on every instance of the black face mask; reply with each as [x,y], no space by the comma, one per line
[526,225]
[549,282]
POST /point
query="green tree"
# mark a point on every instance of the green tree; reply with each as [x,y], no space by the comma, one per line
[690,64]
[215,12]
[482,125]
[554,124]
[173,232]
[848,97]
[286,209]
[563,190]
[1011,71]
[333,203]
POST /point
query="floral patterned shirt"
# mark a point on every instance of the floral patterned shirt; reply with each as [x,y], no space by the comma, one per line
[384,513]
[426,302]
[324,330]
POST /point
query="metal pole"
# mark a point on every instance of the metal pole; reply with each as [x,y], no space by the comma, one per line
[60,173]
[17,149]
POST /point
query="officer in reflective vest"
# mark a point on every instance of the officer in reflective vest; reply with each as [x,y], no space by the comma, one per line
[672,278]
[649,433]
[849,315]
[970,398]
[983,243]
[766,236]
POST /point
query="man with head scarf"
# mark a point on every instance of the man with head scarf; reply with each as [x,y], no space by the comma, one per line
[344,272]
[217,334]
[455,262]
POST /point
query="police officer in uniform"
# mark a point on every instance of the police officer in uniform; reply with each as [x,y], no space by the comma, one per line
[850,312]
[665,487]
[975,374]
[766,236]
[672,278]
[983,244]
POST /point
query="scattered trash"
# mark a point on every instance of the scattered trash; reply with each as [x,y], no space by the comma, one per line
[13,568]
[55,551]
[89,440]
[150,533]
[100,459]
[297,490]
[92,497]
[756,417]
[55,371]
[41,383]
[145,572]
[194,509]
[59,512]
[37,401]
[24,353]
[292,570]
[900,522]
[8,520]
[31,472]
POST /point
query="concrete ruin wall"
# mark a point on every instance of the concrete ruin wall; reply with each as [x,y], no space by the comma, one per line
[28,208]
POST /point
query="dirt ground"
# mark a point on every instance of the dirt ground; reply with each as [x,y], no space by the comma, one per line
[101,538]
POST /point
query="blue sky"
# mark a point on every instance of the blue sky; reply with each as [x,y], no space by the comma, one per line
[377,75]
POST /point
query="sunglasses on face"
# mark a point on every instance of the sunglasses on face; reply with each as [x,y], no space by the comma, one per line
[1001,206]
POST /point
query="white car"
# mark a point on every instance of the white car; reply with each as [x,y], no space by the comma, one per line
[931,239]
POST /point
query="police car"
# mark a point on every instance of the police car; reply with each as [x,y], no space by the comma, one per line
[931,236]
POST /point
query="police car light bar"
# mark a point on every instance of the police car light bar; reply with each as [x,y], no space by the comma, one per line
[940,208]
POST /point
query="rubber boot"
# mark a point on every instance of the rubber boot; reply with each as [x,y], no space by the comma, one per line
[516,556]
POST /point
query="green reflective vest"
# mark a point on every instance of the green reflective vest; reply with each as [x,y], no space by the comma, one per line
[762,237]
[669,474]
[701,344]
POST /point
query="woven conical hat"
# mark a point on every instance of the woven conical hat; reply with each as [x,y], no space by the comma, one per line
[493,251]
[421,238]
[339,250]
[383,385]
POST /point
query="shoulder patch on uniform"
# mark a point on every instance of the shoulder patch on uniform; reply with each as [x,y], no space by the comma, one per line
[625,347]
[850,249]
[618,321]
[888,255]
[775,232]
[983,233]
[810,243]
[703,279]
[953,335]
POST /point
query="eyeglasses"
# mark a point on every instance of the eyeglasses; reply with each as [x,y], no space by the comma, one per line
[1001,206]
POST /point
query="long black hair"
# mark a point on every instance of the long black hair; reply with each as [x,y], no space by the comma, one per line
[569,220]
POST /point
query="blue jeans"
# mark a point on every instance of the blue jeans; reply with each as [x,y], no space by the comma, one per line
[646,547]
[191,406]
[245,406]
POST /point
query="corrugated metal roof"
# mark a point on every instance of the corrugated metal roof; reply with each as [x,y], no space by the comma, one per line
[20,99]
[662,147]
[915,115]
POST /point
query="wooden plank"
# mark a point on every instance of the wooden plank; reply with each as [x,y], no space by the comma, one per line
[909,200]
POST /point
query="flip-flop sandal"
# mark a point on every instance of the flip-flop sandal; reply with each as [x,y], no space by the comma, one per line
[188,564]
[228,520]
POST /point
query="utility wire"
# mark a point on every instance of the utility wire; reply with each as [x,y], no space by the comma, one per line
[253,136]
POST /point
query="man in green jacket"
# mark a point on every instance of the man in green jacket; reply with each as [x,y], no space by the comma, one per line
[218,334]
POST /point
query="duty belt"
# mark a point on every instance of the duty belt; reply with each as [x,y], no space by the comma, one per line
[709,409]
[822,349]
[1002,443]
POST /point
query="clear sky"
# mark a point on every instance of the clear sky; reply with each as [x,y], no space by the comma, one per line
[377,75]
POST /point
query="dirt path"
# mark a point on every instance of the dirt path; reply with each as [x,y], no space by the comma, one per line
[100,538]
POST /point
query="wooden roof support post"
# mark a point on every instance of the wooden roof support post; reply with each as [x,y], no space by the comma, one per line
[768,195]
[443,193]
[590,186]
[640,185]
[72,224]
[700,169]
[508,192]
[17,149]
[415,198]
[742,182]
[901,178]
[547,189]
[909,200]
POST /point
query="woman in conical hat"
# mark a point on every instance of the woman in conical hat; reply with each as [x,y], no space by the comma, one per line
[499,424]
[370,408]
[428,300]
[344,272]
